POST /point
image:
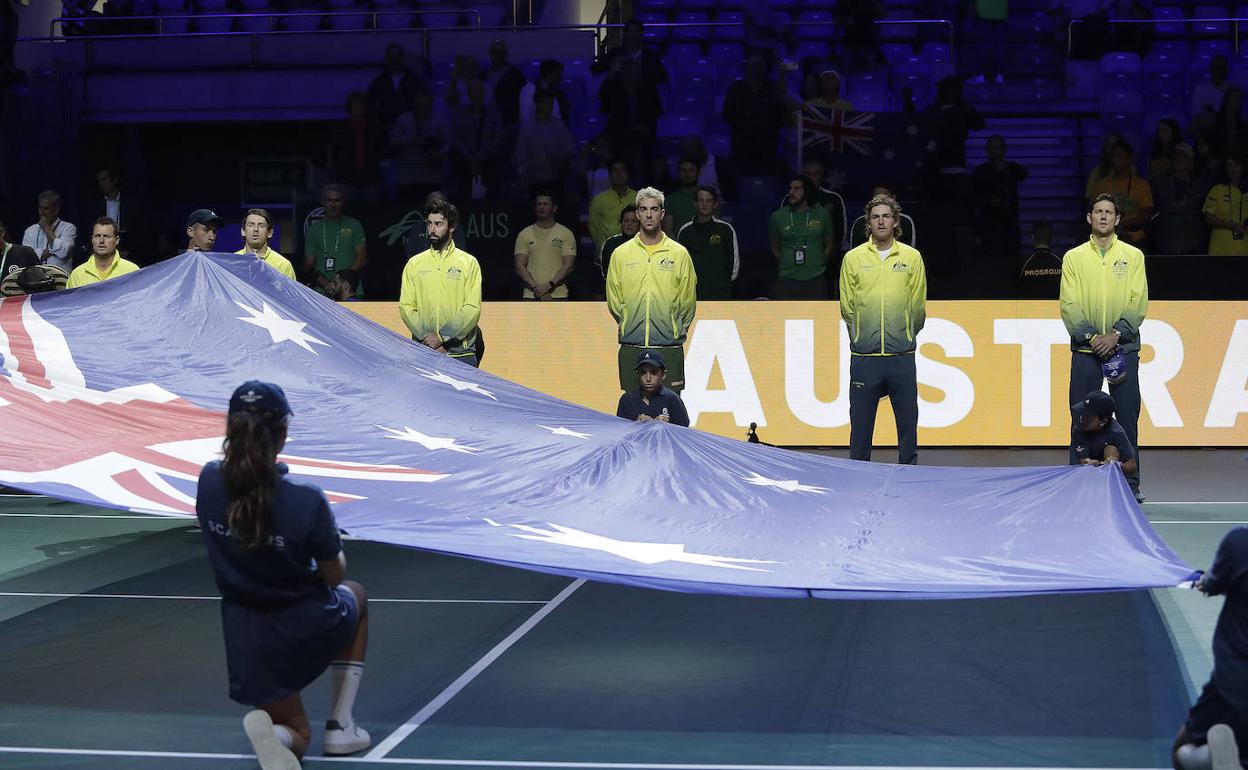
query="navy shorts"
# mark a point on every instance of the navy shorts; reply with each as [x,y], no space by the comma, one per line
[271,655]
[1212,709]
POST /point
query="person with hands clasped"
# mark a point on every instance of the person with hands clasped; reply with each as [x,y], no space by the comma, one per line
[1225,215]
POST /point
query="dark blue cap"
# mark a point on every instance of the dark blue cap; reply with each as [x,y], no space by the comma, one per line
[1098,402]
[652,357]
[259,397]
[205,217]
[1114,368]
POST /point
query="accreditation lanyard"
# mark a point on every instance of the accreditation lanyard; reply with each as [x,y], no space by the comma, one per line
[805,229]
[330,259]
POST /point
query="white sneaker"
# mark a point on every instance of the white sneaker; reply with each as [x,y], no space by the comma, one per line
[270,752]
[341,740]
[1222,748]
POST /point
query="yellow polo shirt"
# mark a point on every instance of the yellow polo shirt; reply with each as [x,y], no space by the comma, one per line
[88,273]
[274,260]
[546,248]
[604,213]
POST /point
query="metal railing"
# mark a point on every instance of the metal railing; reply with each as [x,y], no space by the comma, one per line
[271,17]
[1233,20]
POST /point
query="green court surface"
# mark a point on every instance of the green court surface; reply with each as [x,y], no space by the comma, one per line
[111,642]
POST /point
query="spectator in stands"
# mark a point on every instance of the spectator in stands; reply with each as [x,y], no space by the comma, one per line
[201,229]
[652,294]
[659,175]
[712,245]
[334,242]
[504,81]
[1166,137]
[545,252]
[803,242]
[129,217]
[953,120]
[1207,165]
[356,146]
[856,19]
[548,78]
[1224,212]
[995,185]
[1179,227]
[859,231]
[1104,164]
[651,400]
[814,170]
[596,157]
[257,230]
[632,107]
[545,149]
[440,301]
[633,48]
[1132,192]
[1041,274]
[1207,96]
[990,39]
[105,261]
[1230,130]
[417,239]
[423,140]
[14,256]
[692,146]
[680,201]
[629,227]
[465,70]
[605,208]
[478,134]
[51,237]
[394,88]
[829,97]
[754,109]
[346,286]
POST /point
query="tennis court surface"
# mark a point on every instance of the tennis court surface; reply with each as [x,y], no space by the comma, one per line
[111,642]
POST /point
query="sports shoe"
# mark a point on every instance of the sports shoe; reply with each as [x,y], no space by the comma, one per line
[345,740]
[1139,496]
[1222,748]
[270,752]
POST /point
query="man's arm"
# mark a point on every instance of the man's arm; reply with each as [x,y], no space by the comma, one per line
[1077,323]
[829,235]
[773,233]
[466,317]
[1128,327]
[687,299]
[848,283]
[918,295]
[63,244]
[615,289]
[361,256]
[569,262]
[409,311]
[736,252]
[522,270]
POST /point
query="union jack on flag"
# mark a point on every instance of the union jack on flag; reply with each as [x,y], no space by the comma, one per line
[838,129]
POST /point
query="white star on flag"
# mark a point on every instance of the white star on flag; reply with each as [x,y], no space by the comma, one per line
[447,379]
[644,553]
[835,179]
[912,130]
[787,486]
[889,154]
[930,146]
[562,431]
[428,442]
[280,329]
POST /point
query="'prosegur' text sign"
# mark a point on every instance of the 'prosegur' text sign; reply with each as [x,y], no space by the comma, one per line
[991,373]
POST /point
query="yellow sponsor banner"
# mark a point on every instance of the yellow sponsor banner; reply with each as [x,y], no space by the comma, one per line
[991,373]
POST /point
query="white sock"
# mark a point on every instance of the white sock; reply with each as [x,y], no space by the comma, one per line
[344,684]
[284,735]
[1193,757]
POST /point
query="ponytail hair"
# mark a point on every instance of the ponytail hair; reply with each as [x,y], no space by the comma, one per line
[249,469]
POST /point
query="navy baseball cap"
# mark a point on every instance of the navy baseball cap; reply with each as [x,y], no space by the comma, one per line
[652,357]
[1098,402]
[203,217]
[259,397]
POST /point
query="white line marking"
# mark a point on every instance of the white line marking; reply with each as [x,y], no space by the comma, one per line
[420,717]
[425,761]
[1211,521]
[186,597]
[173,519]
[1195,502]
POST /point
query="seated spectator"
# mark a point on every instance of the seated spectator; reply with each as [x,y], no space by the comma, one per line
[712,245]
[633,48]
[1166,137]
[333,243]
[545,252]
[755,111]
[549,76]
[257,230]
[356,147]
[632,107]
[346,286]
[392,91]
[859,231]
[692,146]
[545,148]
[478,135]
[679,204]
[1224,212]
[802,241]
[1179,226]
[504,82]
[1096,438]
[1230,130]
[1103,165]
[605,208]
[596,158]
[201,229]
[830,93]
[105,261]
[422,139]
[51,237]
[15,258]
[1132,192]
[128,214]
[629,227]
[417,239]
[1041,274]
[652,400]
[1208,94]
[995,187]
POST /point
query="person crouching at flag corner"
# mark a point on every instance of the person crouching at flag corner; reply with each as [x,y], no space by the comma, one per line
[1096,438]
[286,612]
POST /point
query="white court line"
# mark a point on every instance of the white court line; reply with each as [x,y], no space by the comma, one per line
[398,736]
[1195,502]
[184,597]
[1211,521]
[174,519]
[514,762]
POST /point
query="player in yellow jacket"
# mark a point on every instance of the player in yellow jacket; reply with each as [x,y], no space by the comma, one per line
[884,304]
[1104,298]
[652,293]
[440,300]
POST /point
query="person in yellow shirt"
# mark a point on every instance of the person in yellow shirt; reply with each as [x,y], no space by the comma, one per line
[545,252]
[257,230]
[652,294]
[1104,298]
[605,208]
[105,262]
[440,300]
[1225,215]
[1132,191]
[884,303]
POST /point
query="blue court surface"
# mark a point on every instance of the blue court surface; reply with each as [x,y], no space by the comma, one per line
[111,642]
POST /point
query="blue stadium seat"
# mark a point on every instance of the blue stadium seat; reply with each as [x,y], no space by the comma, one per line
[701,69]
[819,5]
[691,33]
[810,49]
[1120,63]
[910,64]
[656,5]
[172,8]
[868,90]
[1210,28]
[656,36]
[1034,58]
[1211,48]
[1171,29]
[1163,61]
[347,22]
[733,33]
[920,85]
[681,125]
[899,33]
[692,103]
[1122,103]
[679,53]
[1083,79]
[1033,25]
[896,51]
[653,17]
[724,54]
[815,25]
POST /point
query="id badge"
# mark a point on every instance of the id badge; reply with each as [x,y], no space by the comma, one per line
[329,264]
[799,256]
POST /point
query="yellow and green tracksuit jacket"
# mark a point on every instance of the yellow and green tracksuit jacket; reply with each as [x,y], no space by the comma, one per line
[1101,292]
[883,302]
[652,295]
[441,293]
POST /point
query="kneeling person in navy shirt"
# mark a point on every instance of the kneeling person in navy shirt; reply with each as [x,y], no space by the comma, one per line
[1096,437]
[651,400]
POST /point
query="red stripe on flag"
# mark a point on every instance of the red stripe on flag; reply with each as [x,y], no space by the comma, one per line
[132,481]
[20,343]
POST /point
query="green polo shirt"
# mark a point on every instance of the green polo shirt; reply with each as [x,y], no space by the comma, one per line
[801,230]
[679,205]
[716,259]
[333,245]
